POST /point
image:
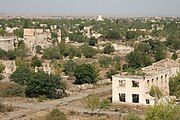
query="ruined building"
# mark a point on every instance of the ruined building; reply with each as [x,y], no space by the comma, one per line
[35,37]
[45,67]
[7,43]
[10,67]
[135,89]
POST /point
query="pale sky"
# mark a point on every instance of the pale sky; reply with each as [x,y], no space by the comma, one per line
[91,6]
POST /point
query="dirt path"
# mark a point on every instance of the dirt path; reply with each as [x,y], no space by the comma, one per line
[26,108]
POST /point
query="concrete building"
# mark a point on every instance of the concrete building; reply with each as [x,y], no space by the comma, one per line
[7,43]
[35,37]
[135,89]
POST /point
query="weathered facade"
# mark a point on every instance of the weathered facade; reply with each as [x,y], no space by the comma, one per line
[135,89]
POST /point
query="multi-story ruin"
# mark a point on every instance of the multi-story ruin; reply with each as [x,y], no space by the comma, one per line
[7,43]
[136,89]
[35,37]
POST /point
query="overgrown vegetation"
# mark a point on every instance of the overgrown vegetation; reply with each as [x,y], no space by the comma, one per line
[174,86]
[55,114]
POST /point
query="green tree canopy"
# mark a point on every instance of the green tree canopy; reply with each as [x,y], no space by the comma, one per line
[108,48]
[85,73]
[70,67]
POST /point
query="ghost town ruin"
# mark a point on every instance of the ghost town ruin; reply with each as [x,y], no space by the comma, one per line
[7,43]
[135,89]
[35,37]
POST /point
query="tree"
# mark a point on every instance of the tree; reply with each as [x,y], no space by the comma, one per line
[43,84]
[173,42]
[70,67]
[174,56]
[108,48]
[21,50]
[85,73]
[11,55]
[19,33]
[36,62]
[88,51]
[56,115]
[137,59]
[105,61]
[38,49]
[2,67]
[155,92]
[169,111]
[21,75]
[174,86]
[159,55]
[112,34]
[2,32]
[54,35]
[110,73]
[131,35]
[92,41]
[3,54]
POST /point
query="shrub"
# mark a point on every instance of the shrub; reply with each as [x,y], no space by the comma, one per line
[85,73]
[108,48]
[110,73]
[56,115]
[2,67]
[132,116]
[168,111]
[42,98]
[69,67]
[11,90]
[5,108]
[36,62]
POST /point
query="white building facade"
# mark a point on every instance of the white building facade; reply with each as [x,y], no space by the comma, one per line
[135,89]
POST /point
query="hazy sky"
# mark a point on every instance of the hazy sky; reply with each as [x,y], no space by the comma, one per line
[91,6]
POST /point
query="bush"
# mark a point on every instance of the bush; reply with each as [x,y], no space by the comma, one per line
[88,51]
[85,73]
[56,115]
[2,67]
[168,111]
[131,35]
[69,67]
[92,41]
[43,84]
[105,61]
[174,86]
[38,49]
[108,48]
[11,90]
[5,108]
[132,116]
[110,73]
[36,62]
[42,98]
